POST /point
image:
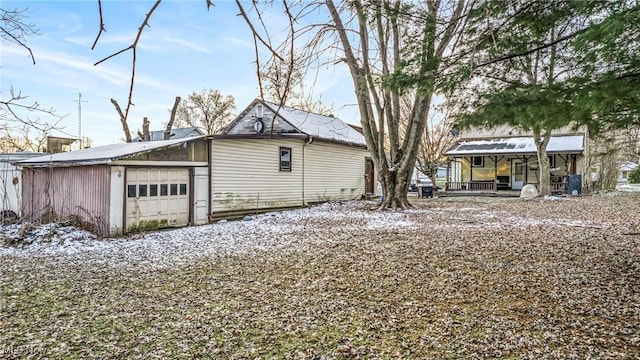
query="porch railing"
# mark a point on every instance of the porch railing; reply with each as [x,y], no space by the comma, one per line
[489,185]
[472,185]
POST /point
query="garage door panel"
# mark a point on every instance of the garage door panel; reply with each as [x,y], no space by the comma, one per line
[160,197]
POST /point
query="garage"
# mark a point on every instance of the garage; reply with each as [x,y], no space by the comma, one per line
[157,197]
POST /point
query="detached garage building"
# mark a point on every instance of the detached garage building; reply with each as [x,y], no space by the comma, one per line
[122,187]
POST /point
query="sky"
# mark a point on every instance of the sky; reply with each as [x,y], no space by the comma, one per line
[185,49]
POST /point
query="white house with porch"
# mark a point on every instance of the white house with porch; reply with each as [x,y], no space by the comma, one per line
[505,160]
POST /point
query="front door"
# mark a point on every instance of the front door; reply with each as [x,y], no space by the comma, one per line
[517,174]
[368,176]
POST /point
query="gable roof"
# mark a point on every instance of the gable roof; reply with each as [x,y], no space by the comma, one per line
[302,122]
[517,145]
[179,133]
[103,154]
[320,126]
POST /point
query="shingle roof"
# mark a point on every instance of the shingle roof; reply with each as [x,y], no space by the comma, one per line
[517,145]
[316,125]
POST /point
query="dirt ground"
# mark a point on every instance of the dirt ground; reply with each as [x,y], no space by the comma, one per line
[555,278]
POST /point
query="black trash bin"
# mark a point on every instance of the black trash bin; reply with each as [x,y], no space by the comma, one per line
[426,190]
[575,185]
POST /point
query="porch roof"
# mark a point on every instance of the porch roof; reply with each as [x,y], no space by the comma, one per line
[570,144]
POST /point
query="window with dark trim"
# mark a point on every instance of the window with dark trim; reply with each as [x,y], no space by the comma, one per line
[174,189]
[153,190]
[552,161]
[131,191]
[142,190]
[183,189]
[477,161]
[164,189]
[285,159]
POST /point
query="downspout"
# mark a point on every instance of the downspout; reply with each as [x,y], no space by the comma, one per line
[309,141]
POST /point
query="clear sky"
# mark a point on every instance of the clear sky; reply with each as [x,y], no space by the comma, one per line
[185,49]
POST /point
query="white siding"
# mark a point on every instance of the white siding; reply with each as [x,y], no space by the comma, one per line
[10,188]
[333,172]
[246,175]
[116,201]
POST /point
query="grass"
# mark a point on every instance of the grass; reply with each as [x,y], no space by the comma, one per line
[449,287]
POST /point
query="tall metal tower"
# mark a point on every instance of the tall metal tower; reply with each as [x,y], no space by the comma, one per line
[80,101]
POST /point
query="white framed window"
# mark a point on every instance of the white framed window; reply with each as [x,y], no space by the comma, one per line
[477,161]
[285,159]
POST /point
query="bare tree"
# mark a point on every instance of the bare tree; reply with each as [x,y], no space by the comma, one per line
[292,83]
[20,130]
[207,109]
[25,138]
[134,49]
[437,139]
[391,48]
[14,29]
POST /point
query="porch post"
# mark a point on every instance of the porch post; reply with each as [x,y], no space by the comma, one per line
[448,176]
[495,173]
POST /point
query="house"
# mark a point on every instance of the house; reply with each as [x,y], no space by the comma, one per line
[121,187]
[624,170]
[180,133]
[275,157]
[11,183]
[269,158]
[501,159]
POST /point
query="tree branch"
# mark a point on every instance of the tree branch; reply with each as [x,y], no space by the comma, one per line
[102,28]
[123,120]
[255,32]
[530,51]
[133,47]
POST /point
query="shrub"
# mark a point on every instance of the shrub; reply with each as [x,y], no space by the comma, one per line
[634,176]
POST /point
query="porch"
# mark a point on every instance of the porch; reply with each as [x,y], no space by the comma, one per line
[508,164]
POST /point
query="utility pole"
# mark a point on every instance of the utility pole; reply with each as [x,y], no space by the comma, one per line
[80,101]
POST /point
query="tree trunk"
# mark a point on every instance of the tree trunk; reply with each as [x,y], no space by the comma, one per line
[396,187]
[543,160]
[123,120]
[167,130]
[145,135]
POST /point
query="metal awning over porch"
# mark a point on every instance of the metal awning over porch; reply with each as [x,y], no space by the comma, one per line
[570,144]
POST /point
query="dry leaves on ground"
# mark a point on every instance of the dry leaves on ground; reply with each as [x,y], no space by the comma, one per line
[452,278]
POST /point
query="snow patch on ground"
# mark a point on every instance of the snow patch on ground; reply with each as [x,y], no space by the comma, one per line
[288,230]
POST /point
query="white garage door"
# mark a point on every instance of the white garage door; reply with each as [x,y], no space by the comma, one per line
[157,197]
